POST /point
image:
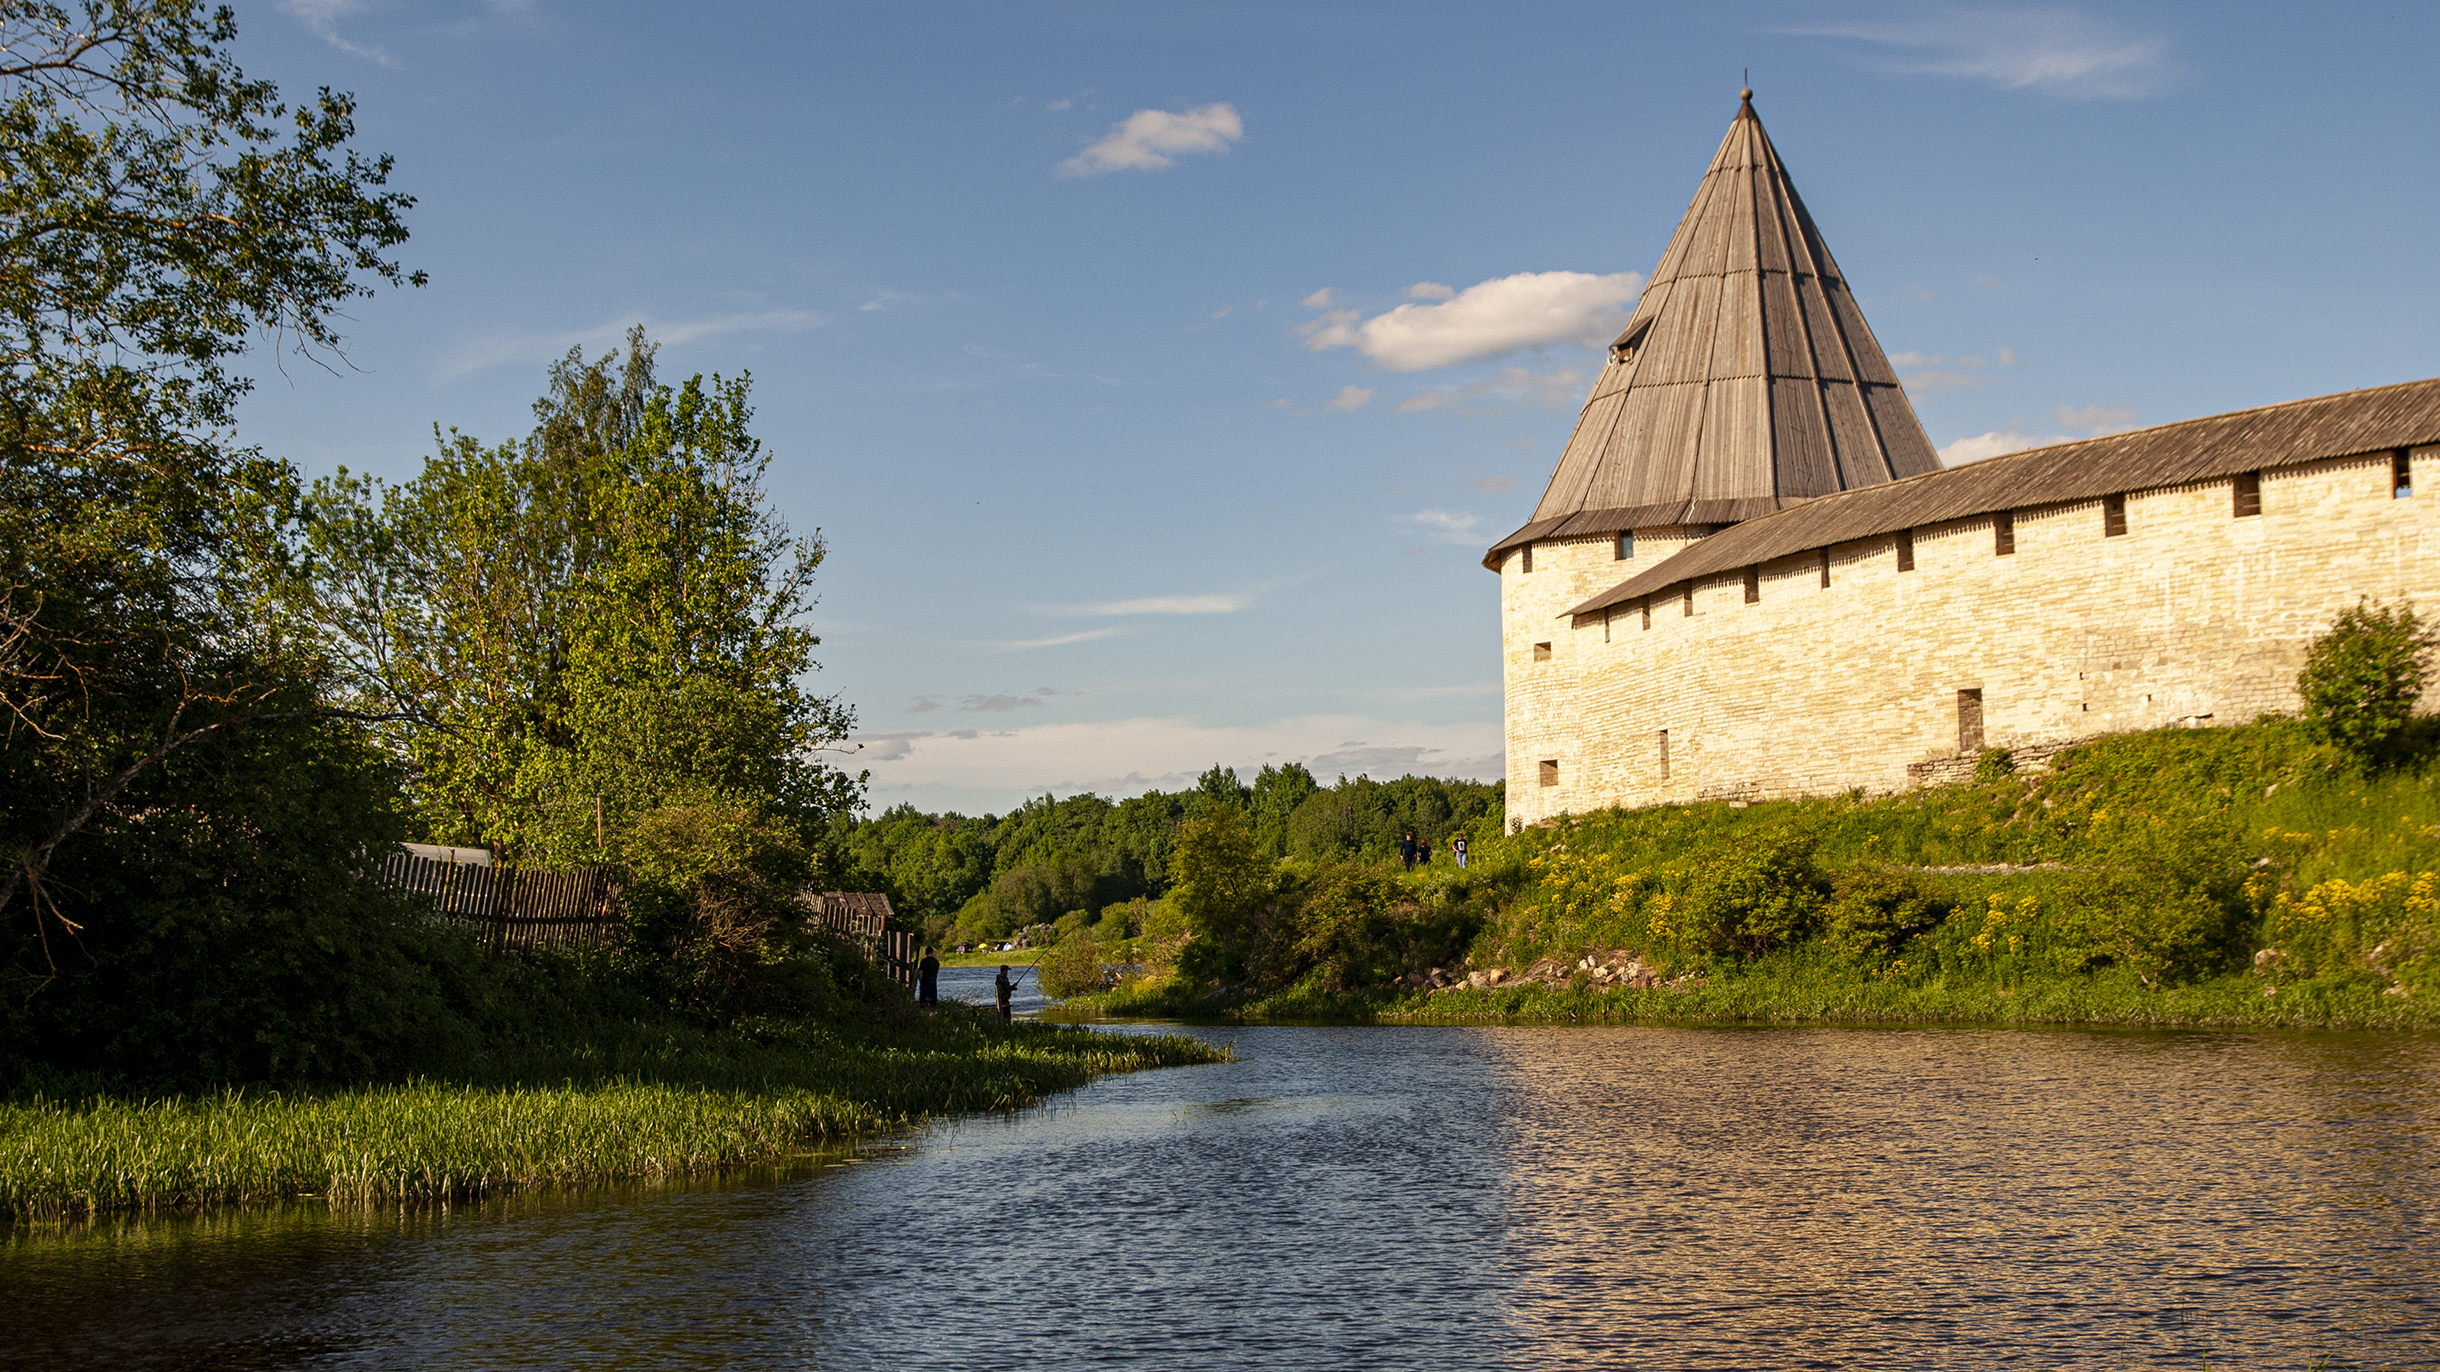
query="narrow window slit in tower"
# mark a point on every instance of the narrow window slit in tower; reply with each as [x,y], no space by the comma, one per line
[1550,771]
[1541,652]
[1647,612]
[1753,585]
[1664,754]
[2003,534]
[1626,545]
[1906,550]
[1605,626]
[1969,721]
[2113,516]
[2401,474]
[2248,495]
[1690,600]
[1825,567]
[1527,564]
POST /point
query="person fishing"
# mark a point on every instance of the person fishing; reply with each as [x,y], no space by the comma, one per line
[1006,990]
[927,981]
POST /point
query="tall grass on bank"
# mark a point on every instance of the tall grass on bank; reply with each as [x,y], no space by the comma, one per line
[654,1105]
[2238,876]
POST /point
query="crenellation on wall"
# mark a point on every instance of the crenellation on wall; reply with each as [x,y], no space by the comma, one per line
[2194,615]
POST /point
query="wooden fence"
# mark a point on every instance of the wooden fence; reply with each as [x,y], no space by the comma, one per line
[512,907]
[515,908]
[863,917]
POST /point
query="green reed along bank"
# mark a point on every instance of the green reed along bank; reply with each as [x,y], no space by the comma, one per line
[649,1103]
[2237,876]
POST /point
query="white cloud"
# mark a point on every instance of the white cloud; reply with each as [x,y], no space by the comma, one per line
[2096,420]
[1515,388]
[1149,140]
[1128,756]
[1350,398]
[321,19]
[2090,421]
[2055,51]
[1449,526]
[1430,290]
[1934,382]
[1164,605]
[1319,300]
[1527,310]
[1992,444]
[548,347]
[885,747]
[1059,641]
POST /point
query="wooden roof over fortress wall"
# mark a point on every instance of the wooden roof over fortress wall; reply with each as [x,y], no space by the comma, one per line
[2350,424]
[1745,380]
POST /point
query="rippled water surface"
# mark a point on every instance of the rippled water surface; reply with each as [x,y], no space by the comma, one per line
[1403,1197]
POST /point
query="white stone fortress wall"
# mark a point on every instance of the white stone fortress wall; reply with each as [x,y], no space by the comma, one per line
[2195,615]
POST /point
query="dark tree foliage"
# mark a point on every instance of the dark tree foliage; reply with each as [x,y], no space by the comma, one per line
[157,208]
[158,674]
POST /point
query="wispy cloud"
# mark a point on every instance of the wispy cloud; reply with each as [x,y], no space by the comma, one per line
[321,19]
[2059,52]
[1492,485]
[1527,310]
[1515,388]
[1924,374]
[474,356]
[1349,398]
[1320,300]
[1059,641]
[1149,140]
[1449,526]
[1163,605]
[2089,421]
[1127,756]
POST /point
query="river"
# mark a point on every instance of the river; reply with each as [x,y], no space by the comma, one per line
[1413,1197]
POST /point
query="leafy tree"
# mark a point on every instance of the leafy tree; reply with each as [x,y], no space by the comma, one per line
[2361,679]
[157,208]
[1276,794]
[1222,885]
[602,622]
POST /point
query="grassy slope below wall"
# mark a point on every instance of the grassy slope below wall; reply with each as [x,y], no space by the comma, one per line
[2146,872]
[649,1102]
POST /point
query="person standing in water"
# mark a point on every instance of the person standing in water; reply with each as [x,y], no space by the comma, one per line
[1006,990]
[927,981]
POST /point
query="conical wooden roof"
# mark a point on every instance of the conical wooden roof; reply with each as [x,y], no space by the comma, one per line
[1746,380]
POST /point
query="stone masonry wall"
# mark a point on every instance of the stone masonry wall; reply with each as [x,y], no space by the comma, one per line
[2193,616]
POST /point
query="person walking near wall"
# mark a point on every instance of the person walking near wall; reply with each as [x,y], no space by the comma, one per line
[1457,845]
[927,980]
[1006,990]
[1406,851]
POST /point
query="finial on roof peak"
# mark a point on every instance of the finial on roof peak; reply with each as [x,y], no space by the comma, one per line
[1746,95]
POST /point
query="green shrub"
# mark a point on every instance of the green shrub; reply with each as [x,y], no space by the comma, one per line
[2362,678]
[1759,895]
[1874,911]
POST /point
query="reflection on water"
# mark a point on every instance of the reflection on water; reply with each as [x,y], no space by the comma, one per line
[1411,1197]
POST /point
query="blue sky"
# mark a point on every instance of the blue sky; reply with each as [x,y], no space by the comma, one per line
[1157,374]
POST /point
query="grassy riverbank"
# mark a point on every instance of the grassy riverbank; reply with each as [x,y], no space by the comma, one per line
[2211,877]
[650,1103]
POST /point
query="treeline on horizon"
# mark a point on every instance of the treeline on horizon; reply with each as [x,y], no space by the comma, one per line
[960,878]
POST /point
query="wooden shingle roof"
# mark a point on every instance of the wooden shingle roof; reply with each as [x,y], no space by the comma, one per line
[1745,381]
[2352,423]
